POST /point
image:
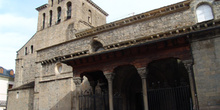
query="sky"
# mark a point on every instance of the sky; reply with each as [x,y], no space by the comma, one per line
[18,20]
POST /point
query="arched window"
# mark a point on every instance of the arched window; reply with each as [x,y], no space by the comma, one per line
[69,8]
[32,49]
[97,46]
[204,13]
[51,15]
[51,2]
[90,16]
[44,15]
[25,51]
[58,14]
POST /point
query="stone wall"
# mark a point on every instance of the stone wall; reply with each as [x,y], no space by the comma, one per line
[116,35]
[56,95]
[80,11]
[206,54]
[54,91]
[23,101]
[26,68]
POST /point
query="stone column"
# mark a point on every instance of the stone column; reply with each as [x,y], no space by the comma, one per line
[143,74]
[188,66]
[110,77]
[77,81]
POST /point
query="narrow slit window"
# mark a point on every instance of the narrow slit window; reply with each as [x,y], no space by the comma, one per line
[51,15]
[17,96]
[44,15]
[69,10]
[32,49]
[90,16]
[51,2]
[25,51]
[58,14]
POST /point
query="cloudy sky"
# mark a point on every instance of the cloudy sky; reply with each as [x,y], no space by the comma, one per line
[18,20]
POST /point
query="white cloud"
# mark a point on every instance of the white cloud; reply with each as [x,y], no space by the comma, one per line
[15,31]
[17,23]
[10,43]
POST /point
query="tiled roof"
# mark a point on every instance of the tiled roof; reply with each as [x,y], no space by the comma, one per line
[25,86]
[6,73]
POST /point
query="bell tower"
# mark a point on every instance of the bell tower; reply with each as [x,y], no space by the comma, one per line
[83,13]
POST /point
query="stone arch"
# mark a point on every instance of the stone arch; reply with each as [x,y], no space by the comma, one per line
[96,80]
[96,45]
[127,84]
[94,90]
[170,77]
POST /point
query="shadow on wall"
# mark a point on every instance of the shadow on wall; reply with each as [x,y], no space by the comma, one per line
[66,103]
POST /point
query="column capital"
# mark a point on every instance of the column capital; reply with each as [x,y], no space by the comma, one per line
[142,72]
[109,76]
[77,81]
[187,64]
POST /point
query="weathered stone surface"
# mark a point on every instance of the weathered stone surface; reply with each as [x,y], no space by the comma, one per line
[206,67]
[21,99]
[54,86]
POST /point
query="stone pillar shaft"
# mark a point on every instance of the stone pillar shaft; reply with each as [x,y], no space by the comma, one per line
[77,81]
[110,77]
[188,66]
[143,74]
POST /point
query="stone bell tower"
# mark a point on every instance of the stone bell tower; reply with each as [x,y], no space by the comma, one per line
[83,13]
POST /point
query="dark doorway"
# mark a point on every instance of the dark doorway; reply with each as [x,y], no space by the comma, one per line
[96,97]
[168,85]
[128,85]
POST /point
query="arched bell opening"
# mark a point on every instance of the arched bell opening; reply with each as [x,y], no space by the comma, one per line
[168,85]
[127,90]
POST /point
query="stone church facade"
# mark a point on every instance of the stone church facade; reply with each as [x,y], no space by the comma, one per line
[164,59]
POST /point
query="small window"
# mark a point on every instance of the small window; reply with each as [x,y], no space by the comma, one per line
[58,14]
[204,13]
[90,16]
[51,16]
[44,15]
[17,96]
[32,49]
[89,19]
[51,2]
[11,72]
[69,9]
[10,86]
[25,51]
